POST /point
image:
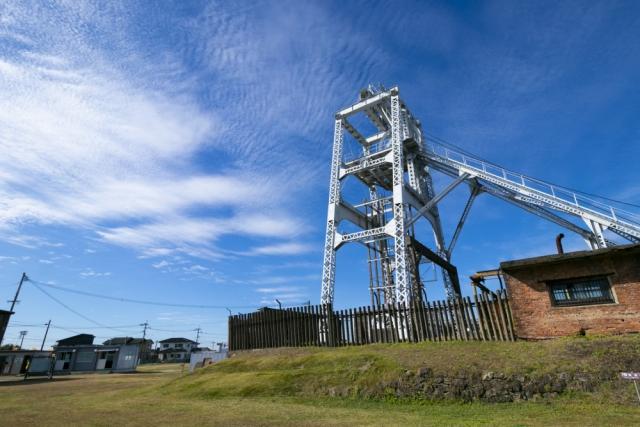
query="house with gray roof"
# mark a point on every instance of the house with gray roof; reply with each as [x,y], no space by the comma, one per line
[176,349]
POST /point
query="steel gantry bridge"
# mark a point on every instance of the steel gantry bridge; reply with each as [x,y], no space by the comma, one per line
[395,164]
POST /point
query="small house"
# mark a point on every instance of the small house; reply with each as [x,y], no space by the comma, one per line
[176,349]
[585,292]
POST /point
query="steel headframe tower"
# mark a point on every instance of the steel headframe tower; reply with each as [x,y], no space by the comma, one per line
[392,166]
[396,163]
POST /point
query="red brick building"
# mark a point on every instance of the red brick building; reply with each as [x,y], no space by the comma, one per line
[587,292]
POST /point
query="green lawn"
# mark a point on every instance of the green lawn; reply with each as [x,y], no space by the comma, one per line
[121,399]
[282,387]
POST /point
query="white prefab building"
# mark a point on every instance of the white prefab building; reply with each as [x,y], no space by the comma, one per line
[176,350]
[86,358]
[79,354]
[18,362]
[200,359]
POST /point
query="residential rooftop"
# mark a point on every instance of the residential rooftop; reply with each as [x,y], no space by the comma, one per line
[126,340]
[170,340]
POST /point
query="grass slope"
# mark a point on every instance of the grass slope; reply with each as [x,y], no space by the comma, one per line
[361,370]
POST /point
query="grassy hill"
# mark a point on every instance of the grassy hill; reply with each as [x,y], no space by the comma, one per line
[467,371]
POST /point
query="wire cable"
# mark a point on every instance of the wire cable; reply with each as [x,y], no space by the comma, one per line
[171,330]
[66,306]
[99,327]
[135,301]
[24,325]
[77,313]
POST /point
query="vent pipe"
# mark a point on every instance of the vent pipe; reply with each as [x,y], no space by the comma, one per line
[559,238]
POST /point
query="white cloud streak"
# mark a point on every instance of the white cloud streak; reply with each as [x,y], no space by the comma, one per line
[91,141]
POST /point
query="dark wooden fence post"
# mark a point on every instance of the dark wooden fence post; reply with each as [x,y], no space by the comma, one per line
[488,317]
[507,304]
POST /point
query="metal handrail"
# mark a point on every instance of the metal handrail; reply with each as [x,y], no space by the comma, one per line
[556,192]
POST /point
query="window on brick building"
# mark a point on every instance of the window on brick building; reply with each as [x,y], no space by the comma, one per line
[583,291]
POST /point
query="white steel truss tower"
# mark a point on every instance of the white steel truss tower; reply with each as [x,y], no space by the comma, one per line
[395,164]
[392,161]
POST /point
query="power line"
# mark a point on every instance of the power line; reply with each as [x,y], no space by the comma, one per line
[171,330]
[75,329]
[99,327]
[66,306]
[131,300]
[185,330]
[78,333]
[72,310]
[16,325]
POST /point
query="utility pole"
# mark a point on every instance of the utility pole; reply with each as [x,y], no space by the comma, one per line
[144,331]
[13,303]
[198,334]
[45,334]
[144,354]
[22,335]
[15,298]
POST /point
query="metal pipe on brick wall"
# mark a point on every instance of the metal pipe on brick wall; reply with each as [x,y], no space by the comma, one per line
[559,238]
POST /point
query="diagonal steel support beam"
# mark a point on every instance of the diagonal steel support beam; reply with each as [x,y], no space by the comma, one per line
[438,260]
[431,203]
[354,132]
[475,190]
[541,212]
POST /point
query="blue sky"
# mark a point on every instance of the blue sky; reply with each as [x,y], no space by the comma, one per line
[179,152]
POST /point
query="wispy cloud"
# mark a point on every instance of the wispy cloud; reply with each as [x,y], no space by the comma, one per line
[161,264]
[94,139]
[284,294]
[89,272]
[263,280]
[290,248]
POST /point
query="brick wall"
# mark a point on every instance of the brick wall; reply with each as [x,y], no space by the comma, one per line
[536,318]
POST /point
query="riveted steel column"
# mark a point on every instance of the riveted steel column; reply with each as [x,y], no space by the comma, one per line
[402,276]
[329,263]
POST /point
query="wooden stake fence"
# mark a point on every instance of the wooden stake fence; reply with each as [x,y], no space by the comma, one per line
[486,318]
